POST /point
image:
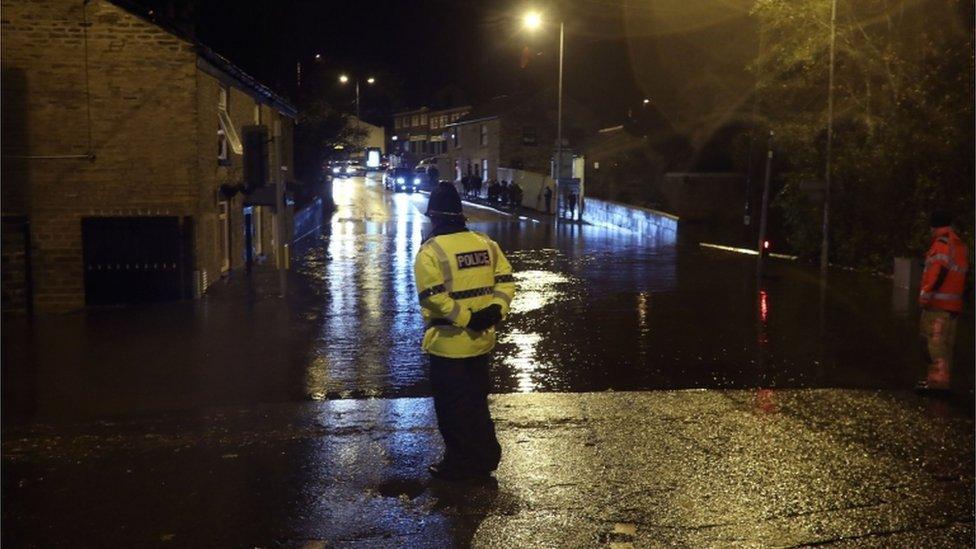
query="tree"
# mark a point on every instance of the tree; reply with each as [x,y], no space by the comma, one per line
[903,129]
[322,133]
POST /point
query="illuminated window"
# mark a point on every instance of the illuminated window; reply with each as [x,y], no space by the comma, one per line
[484,169]
[226,133]
[415,120]
[222,154]
[423,120]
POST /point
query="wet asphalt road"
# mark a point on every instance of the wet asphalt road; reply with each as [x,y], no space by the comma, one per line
[597,309]
[225,422]
[785,468]
[602,309]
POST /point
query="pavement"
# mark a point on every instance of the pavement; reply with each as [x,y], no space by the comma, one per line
[781,468]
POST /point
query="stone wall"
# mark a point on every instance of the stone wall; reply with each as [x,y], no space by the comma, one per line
[133,125]
[128,105]
[660,226]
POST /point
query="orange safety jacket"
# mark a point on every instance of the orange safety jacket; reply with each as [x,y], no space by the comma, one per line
[950,253]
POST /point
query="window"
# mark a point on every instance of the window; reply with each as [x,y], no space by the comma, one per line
[423,120]
[484,135]
[529,136]
[227,137]
[257,113]
[223,158]
[454,136]
[398,122]
[484,169]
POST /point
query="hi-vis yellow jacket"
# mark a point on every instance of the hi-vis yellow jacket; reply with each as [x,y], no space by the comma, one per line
[457,274]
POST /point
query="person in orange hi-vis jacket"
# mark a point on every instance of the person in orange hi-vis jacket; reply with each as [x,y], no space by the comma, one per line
[941,299]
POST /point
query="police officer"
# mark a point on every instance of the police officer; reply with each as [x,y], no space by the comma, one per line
[465,286]
[941,299]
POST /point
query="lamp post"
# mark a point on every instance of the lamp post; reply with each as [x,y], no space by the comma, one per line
[825,242]
[532,21]
[344,79]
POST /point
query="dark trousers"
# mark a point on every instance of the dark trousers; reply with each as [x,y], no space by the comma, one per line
[461,401]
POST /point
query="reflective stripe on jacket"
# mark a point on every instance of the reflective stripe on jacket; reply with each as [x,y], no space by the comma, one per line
[457,274]
[946,252]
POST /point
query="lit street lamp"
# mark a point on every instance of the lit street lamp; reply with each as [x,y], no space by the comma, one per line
[532,21]
[344,79]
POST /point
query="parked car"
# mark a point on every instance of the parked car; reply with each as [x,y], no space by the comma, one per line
[401,179]
[354,168]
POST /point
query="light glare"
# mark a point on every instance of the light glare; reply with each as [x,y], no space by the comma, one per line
[532,20]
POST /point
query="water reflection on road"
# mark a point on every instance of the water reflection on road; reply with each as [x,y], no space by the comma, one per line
[597,309]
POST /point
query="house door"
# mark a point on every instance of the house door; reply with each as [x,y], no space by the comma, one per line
[223,222]
[133,259]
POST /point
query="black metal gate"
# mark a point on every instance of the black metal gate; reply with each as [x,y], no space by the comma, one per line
[136,259]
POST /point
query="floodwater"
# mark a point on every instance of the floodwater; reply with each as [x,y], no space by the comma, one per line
[596,309]
[603,309]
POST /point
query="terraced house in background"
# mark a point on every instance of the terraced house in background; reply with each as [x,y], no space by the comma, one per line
[424,132]
[123,148]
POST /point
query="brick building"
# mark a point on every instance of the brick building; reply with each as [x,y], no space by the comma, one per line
[122,155]
[424,132]
[514,131]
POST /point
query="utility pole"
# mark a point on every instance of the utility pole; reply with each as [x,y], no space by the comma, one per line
[825,243]
[761,247]
[559,112]
[280,228]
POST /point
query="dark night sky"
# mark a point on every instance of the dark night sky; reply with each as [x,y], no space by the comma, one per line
[616,50]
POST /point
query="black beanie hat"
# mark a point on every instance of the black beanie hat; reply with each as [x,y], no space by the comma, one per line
[445,201]
[940,218]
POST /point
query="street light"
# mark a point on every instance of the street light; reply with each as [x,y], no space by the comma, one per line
[532,21]
[344,79]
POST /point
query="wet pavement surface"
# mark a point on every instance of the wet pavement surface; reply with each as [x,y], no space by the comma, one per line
[244,419]
[596,309]
[776,468]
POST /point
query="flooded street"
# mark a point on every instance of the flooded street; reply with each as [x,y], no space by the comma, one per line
[596,309]
[247,420]
[604,309]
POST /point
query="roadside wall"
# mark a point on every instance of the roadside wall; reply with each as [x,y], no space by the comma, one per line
[643,221]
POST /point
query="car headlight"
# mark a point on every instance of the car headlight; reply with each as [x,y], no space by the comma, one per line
[416,181]
[400,181]
[336,170]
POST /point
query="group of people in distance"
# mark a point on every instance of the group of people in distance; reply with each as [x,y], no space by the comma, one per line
[502,193]
[505,193]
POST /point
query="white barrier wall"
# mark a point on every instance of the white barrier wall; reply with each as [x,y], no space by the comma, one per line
[533,186]
[602,213]
[639,220]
